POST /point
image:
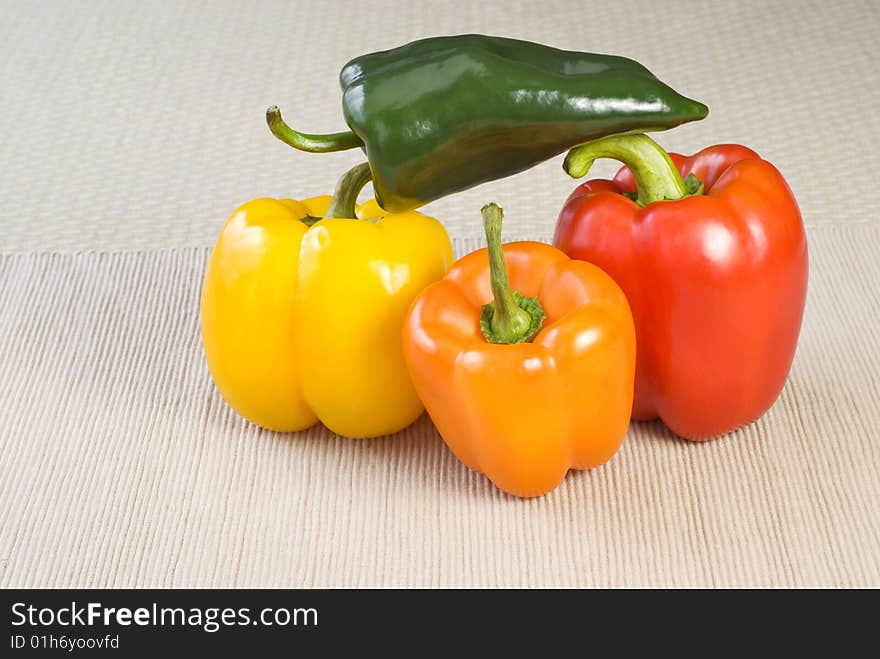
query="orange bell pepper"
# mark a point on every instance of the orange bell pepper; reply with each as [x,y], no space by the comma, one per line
[537,381]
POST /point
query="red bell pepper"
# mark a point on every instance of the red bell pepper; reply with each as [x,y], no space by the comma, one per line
[714,266]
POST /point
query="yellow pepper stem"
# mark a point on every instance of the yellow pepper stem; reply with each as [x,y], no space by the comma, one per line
[347,190]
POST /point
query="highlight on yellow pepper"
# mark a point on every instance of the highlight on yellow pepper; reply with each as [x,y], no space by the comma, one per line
[303,306]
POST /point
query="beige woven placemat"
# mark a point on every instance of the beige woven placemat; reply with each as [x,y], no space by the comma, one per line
[131,129]
[120,465]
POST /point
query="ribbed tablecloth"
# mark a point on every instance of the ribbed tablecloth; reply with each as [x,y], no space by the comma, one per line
[131,130]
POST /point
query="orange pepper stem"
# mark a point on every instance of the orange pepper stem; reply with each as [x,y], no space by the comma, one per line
[347,190]
[510,317]
[656,176]
[309,142]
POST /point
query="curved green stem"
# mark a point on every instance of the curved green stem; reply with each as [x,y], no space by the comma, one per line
[656,176]
[510,317]
[347,190]
[309,142]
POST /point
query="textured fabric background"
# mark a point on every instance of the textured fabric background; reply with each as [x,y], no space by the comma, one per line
[132,129]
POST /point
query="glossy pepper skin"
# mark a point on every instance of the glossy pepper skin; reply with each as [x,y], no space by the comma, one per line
[525,413]
[444,114]
[302,323]
[716,281]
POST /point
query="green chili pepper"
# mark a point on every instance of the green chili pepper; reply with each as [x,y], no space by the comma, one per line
[444,114]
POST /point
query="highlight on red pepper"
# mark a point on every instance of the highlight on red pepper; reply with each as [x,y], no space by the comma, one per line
[711,252]
[524,359]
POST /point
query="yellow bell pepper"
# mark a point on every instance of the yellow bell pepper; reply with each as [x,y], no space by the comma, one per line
[303,323]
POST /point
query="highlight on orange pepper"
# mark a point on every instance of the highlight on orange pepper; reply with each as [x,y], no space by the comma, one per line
[529,377]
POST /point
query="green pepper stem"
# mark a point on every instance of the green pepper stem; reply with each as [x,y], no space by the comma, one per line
[656,176]
[309,142]
[510,317]
[347,190]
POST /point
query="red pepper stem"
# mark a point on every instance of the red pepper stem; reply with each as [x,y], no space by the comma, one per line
[308,142]
[656,176]
[347,190]
[511,317]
